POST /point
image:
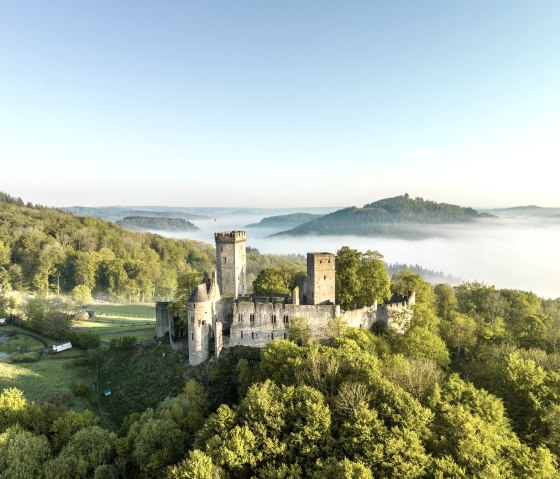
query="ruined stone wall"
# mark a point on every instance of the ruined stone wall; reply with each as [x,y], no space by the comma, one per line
[231,263]
[361,318]
[257,324]
[200,324]
[320,278]
[397,315]
[162,318]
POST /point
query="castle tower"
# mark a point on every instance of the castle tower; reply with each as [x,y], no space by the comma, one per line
[231,263]
[320,278]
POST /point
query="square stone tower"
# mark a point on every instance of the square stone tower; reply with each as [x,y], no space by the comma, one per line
[231,263]
[320,278]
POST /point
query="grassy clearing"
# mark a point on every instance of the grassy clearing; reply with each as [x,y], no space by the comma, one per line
[117,320]
[46,377]
[21,344]
[140,311]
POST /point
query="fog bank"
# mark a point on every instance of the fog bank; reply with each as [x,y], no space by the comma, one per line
[516,253]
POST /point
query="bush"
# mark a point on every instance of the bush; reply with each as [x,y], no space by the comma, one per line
[123,343]
[24,358]
[79,388]
[85,340]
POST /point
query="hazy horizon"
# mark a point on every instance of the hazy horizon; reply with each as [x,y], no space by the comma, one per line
[280,104]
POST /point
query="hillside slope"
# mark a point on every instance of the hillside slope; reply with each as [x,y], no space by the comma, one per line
[395,216]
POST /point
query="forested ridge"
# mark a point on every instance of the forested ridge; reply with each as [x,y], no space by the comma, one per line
[44,250]
[157,223]
[390,216]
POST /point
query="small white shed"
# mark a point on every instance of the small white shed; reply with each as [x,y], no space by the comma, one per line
[61,347]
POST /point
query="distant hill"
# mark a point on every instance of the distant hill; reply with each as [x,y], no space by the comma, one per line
[116,213]
[148,223]
[284,221]
[395,216]
[529,211]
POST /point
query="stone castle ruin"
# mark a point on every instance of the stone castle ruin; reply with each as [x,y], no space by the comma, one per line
[220,313]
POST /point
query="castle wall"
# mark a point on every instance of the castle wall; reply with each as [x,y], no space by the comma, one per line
[162,318]
[231,263]
[361,318]
[199,320]
[397,315]
[257,324]
[320,278]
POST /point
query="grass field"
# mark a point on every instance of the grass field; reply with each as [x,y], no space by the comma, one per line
[116,320]
[51,375]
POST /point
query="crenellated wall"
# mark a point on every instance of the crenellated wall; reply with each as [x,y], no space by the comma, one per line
[361,318]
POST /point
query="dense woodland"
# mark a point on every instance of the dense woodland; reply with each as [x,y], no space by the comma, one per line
[157,223]
[390,216]
[46,251]
[472,389]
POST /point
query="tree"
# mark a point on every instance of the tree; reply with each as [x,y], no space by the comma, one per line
[459,332]
[420,342]
[81,295]
[406,280]
[299,331]
[22,454]
[12,404]
[446,301]
[196,465]
[361,278]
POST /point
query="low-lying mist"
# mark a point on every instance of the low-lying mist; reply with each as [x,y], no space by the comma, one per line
[517,253]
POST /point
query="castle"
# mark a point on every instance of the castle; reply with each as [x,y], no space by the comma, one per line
[220,314]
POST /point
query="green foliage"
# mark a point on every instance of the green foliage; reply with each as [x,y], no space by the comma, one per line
[299,331]
[361,278]
[279,279]
[123,343]
[196,465]
[81,295]
[150,223]
[80,388]
[398,216]
[22,454]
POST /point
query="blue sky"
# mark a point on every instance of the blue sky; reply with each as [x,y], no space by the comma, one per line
[291,103]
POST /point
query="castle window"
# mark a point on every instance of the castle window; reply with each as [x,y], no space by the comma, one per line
[192,336]
[252,318]
[320,261]
[192,319]
[286,319]
[329,261]
[222,248]
[252,335]
[225,260]
[273,319]
[325,277]
[240,318]
[271,335]
[285,336]
[241,334]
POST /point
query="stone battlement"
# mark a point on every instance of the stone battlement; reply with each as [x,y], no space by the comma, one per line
[230,236]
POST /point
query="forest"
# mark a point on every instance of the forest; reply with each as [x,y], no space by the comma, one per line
[395,216]
[472,389]
[47,251]
[156,223]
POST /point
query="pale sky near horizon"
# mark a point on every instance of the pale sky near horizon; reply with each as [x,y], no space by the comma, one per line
[272,104]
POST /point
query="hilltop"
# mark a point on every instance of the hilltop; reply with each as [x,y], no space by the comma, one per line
[390,216]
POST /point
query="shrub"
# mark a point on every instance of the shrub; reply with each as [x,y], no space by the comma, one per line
[79,388]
